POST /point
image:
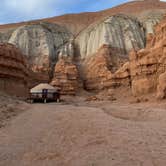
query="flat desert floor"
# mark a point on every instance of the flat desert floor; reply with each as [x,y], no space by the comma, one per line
[79,133]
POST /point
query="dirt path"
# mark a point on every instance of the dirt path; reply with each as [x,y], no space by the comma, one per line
[68,135]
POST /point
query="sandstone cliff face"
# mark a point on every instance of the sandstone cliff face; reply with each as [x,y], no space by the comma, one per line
[96,69]
[103,70]
[40,43]
[122,32]
[13,71]
[143,67]
[144,72]
[66,77]
[150,19]
[148,12]
[148,64]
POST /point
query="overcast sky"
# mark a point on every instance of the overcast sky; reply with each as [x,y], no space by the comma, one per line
[23,10]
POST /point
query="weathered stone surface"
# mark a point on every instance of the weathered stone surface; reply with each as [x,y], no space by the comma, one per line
[122,76]
[102,47]
[67,50]
[161,87]
[40,43]
[143,72]
[66,77]
[143,68]
[122,32]
[96,69]
[5,36]
[13,70]
[150,19]
[147,65]
[101,70]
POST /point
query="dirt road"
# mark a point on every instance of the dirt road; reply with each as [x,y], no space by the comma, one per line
[99,134]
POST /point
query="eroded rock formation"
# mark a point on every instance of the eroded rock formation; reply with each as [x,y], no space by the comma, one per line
[66,77]
[144,72]
[96,69]
[150,19]
[143,68]
[99,50]
[40,43]
[13,70]
[122,32]
[43,40]
[103,70]
[148,64]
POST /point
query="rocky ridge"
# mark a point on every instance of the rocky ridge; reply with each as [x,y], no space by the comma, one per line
[40,43]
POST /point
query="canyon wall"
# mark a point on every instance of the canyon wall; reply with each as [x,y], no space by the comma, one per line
[40,43]
[103,70]
[123,27]
[144,72]
[13,71]
[148,65]
[96,52]
[122,32]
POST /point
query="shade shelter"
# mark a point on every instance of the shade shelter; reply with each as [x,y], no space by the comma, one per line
[44,92]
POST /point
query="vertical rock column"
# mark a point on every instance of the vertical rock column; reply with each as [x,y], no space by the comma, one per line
[66,77]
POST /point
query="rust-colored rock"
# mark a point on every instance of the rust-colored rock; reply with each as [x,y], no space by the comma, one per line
[96,69]
[147,65]
[101,71]
[66,77]
[143,73]
[13,70]
[161,88]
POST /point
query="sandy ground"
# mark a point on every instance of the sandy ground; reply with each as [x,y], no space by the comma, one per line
[10,107]
[86,134]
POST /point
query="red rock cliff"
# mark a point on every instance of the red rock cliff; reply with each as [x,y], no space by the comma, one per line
[147,65]
[13,70]
[66,77]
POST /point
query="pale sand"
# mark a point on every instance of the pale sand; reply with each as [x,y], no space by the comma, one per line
[86,134]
